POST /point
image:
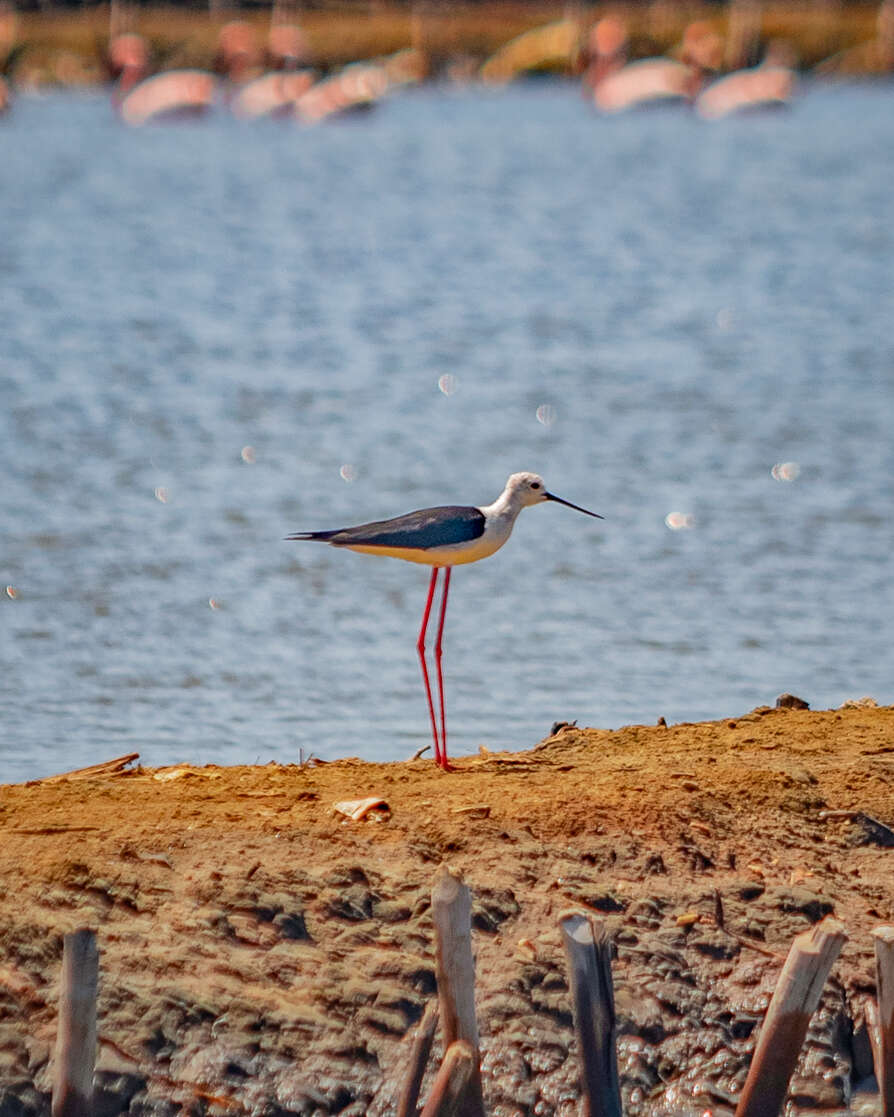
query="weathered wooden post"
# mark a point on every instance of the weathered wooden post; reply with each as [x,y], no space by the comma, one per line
[589,966]
[407,1106]
[884,1053]
[794,1001]
[452,1082]
[451,903]
[873,1030]
[75,1056]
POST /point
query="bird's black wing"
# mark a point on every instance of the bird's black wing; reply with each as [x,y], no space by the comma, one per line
[429,527]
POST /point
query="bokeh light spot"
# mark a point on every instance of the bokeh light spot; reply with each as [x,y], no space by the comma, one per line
[349,472]
[248,455]
[679,521]
[448,383]
[785,471]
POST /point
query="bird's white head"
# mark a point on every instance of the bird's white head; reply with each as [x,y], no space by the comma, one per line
[524,489]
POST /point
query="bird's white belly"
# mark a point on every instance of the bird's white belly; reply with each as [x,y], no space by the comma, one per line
[454,554]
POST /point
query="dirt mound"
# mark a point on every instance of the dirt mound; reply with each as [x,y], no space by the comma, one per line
[262,952]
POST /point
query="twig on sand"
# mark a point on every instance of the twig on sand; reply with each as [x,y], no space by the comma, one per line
[719,914]
[422,1041]
[750,944]
[419,752]
[116,767]
[309,761]
[453,1082]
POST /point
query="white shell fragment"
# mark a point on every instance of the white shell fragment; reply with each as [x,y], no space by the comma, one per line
[358,809]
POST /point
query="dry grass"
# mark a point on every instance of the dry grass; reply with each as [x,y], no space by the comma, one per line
[69,44]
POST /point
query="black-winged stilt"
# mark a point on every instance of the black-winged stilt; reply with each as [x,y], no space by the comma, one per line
[442,538]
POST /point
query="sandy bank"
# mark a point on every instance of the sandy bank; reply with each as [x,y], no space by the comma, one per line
[260,950]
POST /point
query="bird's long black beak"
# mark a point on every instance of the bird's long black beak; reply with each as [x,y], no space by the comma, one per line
[576,507]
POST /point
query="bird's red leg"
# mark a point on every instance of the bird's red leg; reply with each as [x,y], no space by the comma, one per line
[444,762]
[420,648]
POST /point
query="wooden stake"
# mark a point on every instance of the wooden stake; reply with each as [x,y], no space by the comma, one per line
[452,1082]
[589,966]
[794,1001]
[422,1041]
[451,904]
[76,1036]
[884,975]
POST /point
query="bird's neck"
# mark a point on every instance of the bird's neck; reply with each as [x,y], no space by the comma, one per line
[504,509]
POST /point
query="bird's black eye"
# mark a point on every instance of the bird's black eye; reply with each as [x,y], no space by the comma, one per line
[535,484]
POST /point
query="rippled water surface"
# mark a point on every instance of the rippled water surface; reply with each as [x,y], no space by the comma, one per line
[206,329]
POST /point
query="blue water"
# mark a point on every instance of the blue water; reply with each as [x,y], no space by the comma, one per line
[687,305]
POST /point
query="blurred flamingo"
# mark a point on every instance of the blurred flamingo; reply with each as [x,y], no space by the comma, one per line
[275,93]
[770,85]
[649,81]
[172,94]
[238,57]
[271,95]
[618,85]
[356,87]
[605,52]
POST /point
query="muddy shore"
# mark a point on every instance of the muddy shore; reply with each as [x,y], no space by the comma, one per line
[260,953]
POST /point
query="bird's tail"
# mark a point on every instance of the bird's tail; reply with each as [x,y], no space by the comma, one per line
[320,536]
